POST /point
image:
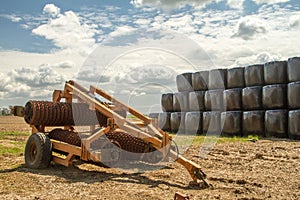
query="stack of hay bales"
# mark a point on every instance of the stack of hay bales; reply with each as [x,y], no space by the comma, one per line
[259,100]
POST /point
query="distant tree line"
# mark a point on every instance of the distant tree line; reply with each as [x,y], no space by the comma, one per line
[5,111]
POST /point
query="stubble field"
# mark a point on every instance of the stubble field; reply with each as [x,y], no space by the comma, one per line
[265,169]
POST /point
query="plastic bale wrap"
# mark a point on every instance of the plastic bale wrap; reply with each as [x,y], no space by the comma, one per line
[276,123]
[211,123]
[217,79]
[294,69]
[275,72]
[153,115]
[233,99]
[294,125]
[232,123]
[252,98]
[294,95]
[181,102]
[200,80]
[167,102]
[193,123]
[254,75]
[196,101]
[253,123]
[164,121]
[184,82]
[213,100]
[274,96]
[177,122]
[236,77]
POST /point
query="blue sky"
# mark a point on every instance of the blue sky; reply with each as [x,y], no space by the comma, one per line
[45,43]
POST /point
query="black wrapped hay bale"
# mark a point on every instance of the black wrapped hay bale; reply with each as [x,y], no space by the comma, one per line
[200,80]
[193,123]
[274,96]
[252,98]
[294,69]
[177,121]
[294,125]
[196,101]
[233,99]
[164,121]
[236,77]
[211,123]
[181,101]
[253,123]
[213,100]
[294,95]
[217,79]
[153,115]
[254,75]
[184,82]
[275,72]
[276,123]
[232,123]
[167,102]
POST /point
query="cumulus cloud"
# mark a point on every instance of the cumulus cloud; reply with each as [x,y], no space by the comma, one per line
[270,1]
[171,3]
[122,30]
[294,21]
[248,28]
[12,17]
[67,31]
[42,77]
[260,58]
[51,10]
[64,65]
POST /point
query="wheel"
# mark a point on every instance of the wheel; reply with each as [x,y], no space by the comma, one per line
[38,151]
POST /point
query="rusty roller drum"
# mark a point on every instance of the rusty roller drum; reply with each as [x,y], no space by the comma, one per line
[294,125]
[177,121]
[235,77]
[200,80]
[275,72]
[128,143]
[61,114]
[276,123]
[252,98]
[196,101]
[184,82]
[193,123]
[254,75]
[294,95]
[233,99]
[232,123]
[294,69]
[253,123]
[167,102]
[274,96]
[211,123]
[213,100]
[217,79]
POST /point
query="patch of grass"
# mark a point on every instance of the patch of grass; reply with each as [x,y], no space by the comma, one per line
[199,140]
[12,144]
[10,134]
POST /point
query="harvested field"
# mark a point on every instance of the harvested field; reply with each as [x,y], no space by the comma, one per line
[237,169]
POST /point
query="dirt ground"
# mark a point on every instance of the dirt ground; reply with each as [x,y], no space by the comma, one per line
[266,169]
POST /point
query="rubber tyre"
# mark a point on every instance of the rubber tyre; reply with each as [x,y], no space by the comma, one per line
[38,151]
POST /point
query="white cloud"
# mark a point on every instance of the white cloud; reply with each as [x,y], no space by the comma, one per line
[249,27]
[294,21]
[68,33]
[51,10]
[64,65]
[270,1]
[12,17]
[122,30]
[260,58]
[235,3]
[171,3]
